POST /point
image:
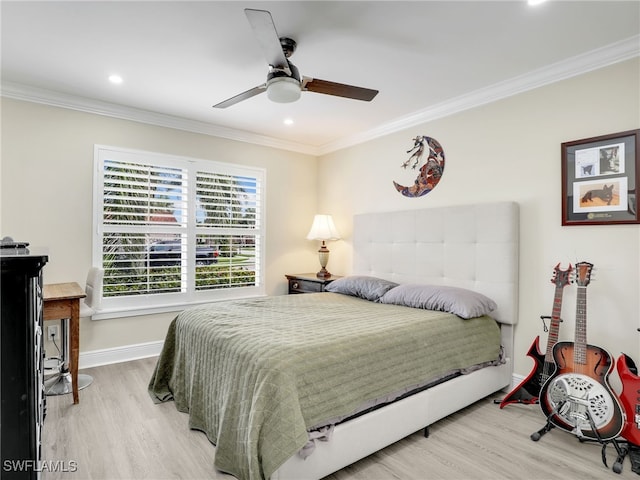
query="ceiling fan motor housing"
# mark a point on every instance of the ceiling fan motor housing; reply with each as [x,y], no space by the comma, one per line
[275,72]
[288,46]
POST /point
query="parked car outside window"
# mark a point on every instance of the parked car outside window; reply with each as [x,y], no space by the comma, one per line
[168,253]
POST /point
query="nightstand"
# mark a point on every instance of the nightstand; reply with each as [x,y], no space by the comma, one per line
[308,282]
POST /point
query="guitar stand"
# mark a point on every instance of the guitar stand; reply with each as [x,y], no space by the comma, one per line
[633,451]
[533,401]
[623,448]
[621,451]
[535,436]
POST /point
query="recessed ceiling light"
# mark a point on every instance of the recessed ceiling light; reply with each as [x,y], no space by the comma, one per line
[117,79]
[535,2]
[288,121]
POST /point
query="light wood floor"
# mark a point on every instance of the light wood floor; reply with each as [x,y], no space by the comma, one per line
[117,432]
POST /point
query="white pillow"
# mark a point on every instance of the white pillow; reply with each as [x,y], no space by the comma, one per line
[459,301]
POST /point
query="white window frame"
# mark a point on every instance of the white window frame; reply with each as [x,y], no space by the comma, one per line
[141,304]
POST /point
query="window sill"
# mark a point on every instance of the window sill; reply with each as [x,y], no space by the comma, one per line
[112,313]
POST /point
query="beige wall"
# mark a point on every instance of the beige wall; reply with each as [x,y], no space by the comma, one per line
[46,198]
[510,150]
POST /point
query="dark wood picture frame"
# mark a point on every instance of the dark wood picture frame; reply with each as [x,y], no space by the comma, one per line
[600,177]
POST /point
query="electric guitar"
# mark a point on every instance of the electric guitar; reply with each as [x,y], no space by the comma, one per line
[630,398]
[529,389]
[577,397]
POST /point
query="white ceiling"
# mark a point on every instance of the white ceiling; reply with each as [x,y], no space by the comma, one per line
[427,58]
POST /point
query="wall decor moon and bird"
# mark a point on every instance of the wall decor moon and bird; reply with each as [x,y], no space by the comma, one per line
[430,173]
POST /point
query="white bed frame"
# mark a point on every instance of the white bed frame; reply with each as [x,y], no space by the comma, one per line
[471,246]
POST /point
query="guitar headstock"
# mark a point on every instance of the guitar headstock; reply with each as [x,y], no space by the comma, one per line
[583,273]
[561,278]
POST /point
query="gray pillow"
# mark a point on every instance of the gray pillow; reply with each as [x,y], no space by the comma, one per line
[369,288]
[459,301]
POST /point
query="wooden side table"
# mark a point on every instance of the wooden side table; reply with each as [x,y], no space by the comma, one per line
[308,282]
[62,302]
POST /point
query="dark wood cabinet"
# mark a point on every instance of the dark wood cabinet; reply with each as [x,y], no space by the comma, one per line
[21,363]
[308,283]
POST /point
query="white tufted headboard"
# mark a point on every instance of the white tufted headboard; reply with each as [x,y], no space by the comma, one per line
[469,246]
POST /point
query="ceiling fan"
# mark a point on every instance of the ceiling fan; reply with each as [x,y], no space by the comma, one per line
[284,83]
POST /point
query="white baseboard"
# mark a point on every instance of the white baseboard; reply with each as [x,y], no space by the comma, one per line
[515,380]
[125,353]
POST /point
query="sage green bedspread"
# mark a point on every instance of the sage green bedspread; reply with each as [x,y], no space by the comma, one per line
[255,374]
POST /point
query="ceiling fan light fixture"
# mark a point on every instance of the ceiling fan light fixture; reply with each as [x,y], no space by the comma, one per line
[283,89]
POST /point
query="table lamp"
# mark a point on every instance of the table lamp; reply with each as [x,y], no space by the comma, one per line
[323,229]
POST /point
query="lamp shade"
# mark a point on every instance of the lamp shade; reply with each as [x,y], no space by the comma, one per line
[323,228]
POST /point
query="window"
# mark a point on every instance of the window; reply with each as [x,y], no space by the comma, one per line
[171,231]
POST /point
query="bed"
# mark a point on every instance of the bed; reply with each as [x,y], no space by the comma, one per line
[299,386]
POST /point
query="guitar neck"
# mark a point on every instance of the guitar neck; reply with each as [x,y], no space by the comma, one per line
[554,328]
[580,343]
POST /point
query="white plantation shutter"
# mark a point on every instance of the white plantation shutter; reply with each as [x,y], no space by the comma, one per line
[232,221]
[142,205]
[173,231]
[137,194]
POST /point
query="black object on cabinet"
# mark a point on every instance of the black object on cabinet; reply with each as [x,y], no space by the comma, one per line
[22,397]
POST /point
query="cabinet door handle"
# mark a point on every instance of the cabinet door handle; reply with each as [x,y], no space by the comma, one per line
[295,285]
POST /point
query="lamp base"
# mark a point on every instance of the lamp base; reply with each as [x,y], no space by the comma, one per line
[323,256]
[323,274]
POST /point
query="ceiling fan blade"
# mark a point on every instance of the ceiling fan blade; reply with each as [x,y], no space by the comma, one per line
[265,31]
[242,96]
[338,89]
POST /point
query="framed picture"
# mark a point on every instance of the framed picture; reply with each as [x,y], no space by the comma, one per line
[600,177]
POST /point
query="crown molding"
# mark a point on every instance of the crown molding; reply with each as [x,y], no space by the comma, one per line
[578,65]
[83,104]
